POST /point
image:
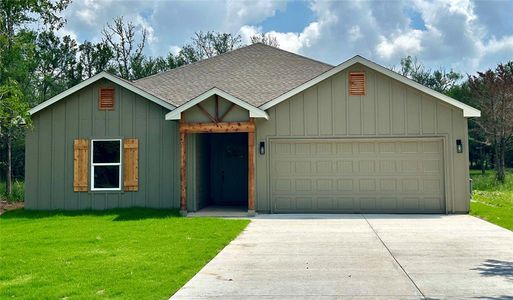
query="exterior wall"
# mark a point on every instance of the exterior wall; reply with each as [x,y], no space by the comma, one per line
[49,151]
[389,109]
[198,171]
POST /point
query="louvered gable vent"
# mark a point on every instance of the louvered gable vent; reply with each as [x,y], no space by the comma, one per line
[357,84]
[106,99]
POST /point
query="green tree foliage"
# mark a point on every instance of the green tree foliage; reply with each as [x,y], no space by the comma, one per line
[439,80]
[95,58]
[266,39]
[17,65]
[13,116]
[57,64]
[208,44]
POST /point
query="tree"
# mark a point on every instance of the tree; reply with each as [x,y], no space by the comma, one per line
[95,58]
[439,80]
[266,39]
[493,93]
[13,115]
[146,66]
[17,62]
[121,38]
[58,66]
[208,44]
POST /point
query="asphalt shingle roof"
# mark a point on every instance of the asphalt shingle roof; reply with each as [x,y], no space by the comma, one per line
[256,74]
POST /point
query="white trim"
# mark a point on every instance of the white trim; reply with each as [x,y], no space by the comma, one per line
[93,164]
[126,84]
[254,112]
[468,111]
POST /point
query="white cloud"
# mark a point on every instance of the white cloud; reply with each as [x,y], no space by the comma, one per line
[404,44]
[354,33]
[174,49]
[461,34]
[150,32]
[64,32]
[290,41]
[250,11]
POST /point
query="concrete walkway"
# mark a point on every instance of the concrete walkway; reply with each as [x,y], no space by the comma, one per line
[362,257]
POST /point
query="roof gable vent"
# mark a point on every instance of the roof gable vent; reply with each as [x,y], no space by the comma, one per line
[106,99]
[357,84]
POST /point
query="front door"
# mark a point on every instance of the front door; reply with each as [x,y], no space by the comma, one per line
[229,169]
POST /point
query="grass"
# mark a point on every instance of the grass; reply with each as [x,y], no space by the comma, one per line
[122,253]
[491,200]
[18,191]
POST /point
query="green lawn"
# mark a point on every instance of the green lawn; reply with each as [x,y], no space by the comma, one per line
[124,253]
[492,201]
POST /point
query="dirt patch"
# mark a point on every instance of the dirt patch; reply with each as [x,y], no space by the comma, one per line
[5,206]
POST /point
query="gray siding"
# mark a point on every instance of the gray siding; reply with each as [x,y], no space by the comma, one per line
[49,156]
[389,109]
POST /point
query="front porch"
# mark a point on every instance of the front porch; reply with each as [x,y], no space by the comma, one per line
[223,161]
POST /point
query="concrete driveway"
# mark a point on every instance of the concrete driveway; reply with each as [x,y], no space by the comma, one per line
[361,256]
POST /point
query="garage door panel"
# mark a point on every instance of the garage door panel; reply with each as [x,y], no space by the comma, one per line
[345,203]
[304,203]
[357,176]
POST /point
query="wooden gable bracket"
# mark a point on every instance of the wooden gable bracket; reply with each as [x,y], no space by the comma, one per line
[216,118]
[227,112]
[206,113]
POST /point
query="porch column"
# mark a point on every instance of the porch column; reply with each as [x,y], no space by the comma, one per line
[183,173]
[251,170]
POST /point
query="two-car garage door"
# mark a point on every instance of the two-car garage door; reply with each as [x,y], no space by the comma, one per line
[349,176]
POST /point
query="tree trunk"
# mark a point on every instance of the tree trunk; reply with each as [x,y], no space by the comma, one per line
[500,155]
[8,177]
[483,161]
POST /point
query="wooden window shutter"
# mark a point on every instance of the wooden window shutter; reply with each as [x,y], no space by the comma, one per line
[131,165]
[80,165]
[357,84]
[106,99]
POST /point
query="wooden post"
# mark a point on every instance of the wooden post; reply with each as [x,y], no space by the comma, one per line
[251,172]
[183,173]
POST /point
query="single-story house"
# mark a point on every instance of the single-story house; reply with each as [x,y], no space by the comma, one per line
[257,127]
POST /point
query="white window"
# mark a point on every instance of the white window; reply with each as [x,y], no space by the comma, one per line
[106,165]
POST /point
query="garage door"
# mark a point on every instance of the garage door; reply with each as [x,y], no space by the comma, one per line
[351,176]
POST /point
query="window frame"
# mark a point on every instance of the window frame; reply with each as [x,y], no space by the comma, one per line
[120,164]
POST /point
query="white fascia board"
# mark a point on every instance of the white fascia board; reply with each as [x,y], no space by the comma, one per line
[468,111]
[115,79]
[254,112]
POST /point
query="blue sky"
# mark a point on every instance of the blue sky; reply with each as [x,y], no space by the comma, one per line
[463,35]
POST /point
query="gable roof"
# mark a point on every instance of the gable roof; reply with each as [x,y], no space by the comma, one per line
[468,111]
[255,74]
[254,112]
[122,82]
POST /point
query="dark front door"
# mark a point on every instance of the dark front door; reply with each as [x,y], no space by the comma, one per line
[229,167]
